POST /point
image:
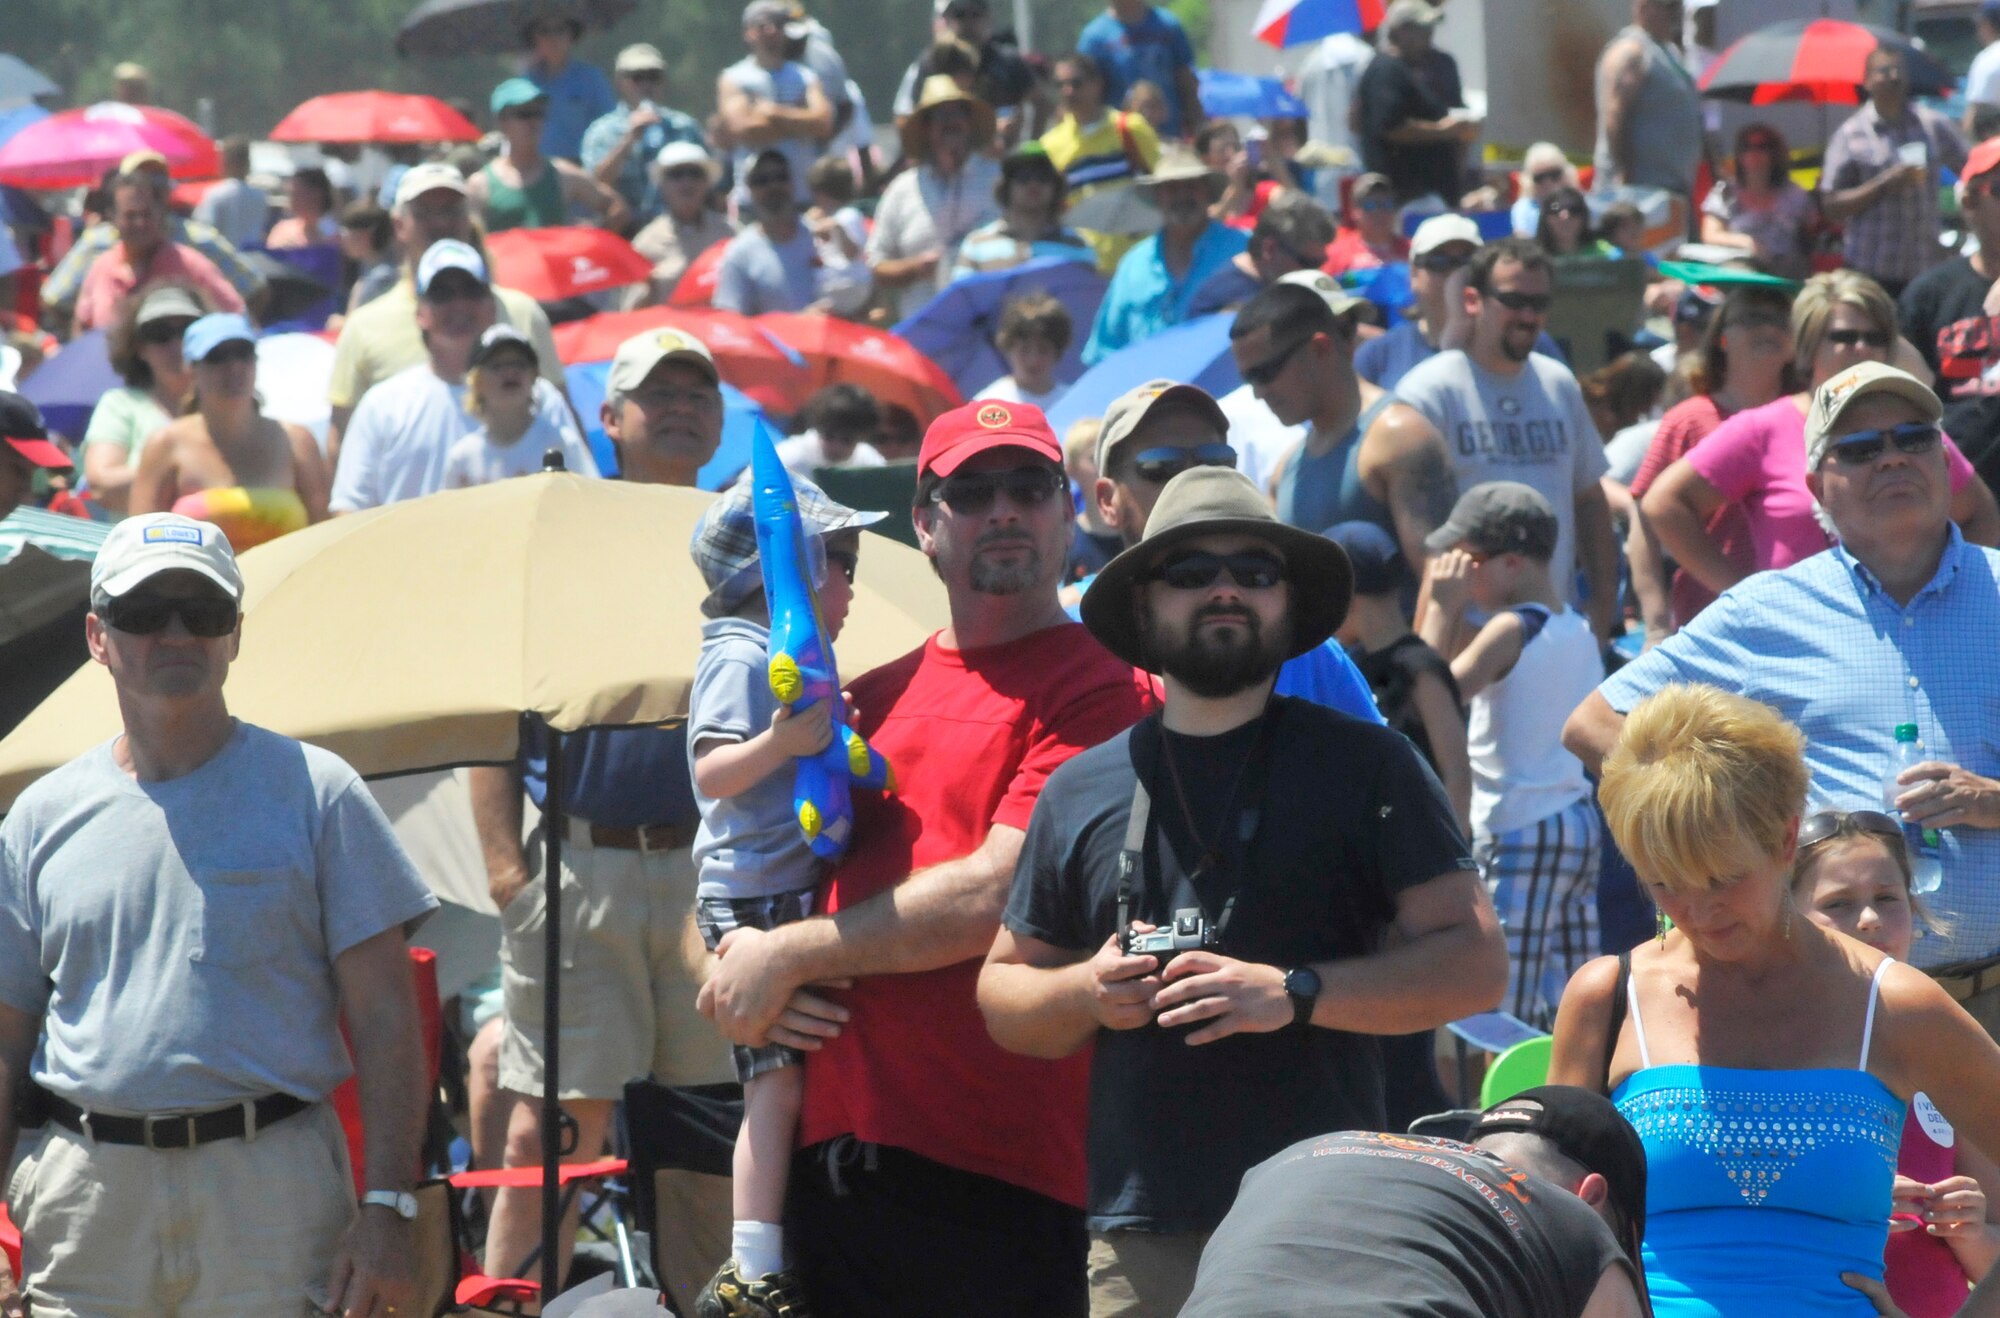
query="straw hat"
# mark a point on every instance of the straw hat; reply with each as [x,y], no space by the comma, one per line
[1179,164]
[941,89]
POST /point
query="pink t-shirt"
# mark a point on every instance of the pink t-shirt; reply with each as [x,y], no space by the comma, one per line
[1757,460]
[111,279]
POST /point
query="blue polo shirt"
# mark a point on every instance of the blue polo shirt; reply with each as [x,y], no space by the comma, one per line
[579,94]
[1152,49]
[635,179]
[1144,297]
[1823,644]
[618,777]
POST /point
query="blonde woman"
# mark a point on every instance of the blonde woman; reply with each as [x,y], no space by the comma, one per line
[1766,1062]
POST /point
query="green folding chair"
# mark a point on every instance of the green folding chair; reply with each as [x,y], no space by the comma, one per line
[1523,1066]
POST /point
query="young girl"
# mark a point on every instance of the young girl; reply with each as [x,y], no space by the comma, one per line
[1851,874]
[512,437]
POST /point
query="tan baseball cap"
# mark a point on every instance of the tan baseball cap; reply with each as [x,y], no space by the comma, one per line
[1832,399]
[640,57]
[639,355]
[141,548]
[1130,409]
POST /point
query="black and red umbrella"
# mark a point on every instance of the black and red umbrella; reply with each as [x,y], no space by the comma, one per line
[1818,59]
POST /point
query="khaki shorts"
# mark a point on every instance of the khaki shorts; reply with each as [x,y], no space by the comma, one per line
[233,1229]
[1142,1274]
[627,988]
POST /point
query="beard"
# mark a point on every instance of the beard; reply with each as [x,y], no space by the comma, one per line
[1005,578]
[1519,345]
[1214,662]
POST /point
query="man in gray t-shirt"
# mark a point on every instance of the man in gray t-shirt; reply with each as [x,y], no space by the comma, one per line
[770,265]
[1508,413]
[767,101]
[187,914]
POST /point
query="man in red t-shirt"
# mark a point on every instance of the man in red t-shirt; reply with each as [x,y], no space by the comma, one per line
[938,1173]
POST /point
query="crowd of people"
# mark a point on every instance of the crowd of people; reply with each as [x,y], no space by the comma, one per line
[1422,676]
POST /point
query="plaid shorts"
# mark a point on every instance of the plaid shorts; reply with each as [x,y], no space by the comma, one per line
[716,916]
[1544,884]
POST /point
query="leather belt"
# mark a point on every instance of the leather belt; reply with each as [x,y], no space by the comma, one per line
[646,837]
[186,1131]
[1972,983]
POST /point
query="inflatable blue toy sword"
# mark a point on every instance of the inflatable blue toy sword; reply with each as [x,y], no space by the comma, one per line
[801,666]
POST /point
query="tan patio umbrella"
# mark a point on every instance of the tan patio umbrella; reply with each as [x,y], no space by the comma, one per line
[415,636]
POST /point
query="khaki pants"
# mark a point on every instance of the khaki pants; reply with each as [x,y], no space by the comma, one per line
[627,989]
[1142,1274]
[232,1229]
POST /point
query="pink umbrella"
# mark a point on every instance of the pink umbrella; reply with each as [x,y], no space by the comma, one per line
[74,148]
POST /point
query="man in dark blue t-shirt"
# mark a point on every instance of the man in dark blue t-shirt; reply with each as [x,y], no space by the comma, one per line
[1134,41]
[1301,840]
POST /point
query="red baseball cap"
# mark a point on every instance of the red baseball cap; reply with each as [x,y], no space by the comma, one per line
[1981,158]
[22,429]
[981,425]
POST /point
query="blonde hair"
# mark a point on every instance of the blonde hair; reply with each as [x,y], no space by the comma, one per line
[1702,785]
[1080,441]
[1846,834]
[1812,312]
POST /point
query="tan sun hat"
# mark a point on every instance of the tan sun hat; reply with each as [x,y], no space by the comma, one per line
[1179,164]
[942,89]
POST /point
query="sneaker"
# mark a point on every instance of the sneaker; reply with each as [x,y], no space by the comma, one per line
[728,1295]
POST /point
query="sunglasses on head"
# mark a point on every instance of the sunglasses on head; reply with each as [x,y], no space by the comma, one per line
[1864,446]
[1160,465]
[1251,569]
[1274,366]
[145,615]
[1815,829]
[1440,263]
[970,493]
[1535,302]
[1847,338]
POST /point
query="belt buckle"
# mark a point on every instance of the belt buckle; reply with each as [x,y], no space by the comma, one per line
[152,1143]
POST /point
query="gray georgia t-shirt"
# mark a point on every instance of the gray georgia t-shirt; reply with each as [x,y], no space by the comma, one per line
[749,845]
[178,938]
[1531,427]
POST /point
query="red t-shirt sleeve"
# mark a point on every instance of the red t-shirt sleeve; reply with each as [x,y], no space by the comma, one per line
[1681,429]
[1116,699]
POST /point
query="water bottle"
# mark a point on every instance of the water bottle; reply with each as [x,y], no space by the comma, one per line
[1926,864]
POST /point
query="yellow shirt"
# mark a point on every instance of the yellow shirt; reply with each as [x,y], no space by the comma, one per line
[382,338]
[1093,159]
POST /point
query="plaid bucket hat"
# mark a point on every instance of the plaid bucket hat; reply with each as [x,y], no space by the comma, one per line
[724,545]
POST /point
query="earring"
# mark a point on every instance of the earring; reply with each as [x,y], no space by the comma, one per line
[1788,922]
[1661,924]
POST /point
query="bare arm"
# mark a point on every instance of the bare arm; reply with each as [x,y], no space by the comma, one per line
[1041,1000]
[1716,232]
[1598,548]
[1444,728]
[1972,507]
[580,190]
[158,479]
[1592,730]
[1449,960]
[1403,463]
[1490,656]
[1615,1296]
[723,769]
[336,426]
[497,813]
[1939,1049]
[1619,76]
[1679,504]
[109,470]
[1845,203]
[1421,132]
[1583,1019]
[309,472]
[1649,578]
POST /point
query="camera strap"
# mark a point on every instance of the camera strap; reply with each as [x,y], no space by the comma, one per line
[1248,817]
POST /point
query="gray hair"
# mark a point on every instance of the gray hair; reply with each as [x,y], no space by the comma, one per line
[1295,220]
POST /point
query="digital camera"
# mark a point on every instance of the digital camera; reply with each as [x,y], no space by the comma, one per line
[1189,930]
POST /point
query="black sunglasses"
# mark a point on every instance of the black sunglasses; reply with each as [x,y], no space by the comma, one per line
[1535,302]
[848,563]
[1252,569]
[526,112]
[770,180]
[1864,446]
[1849,338]
[971,493]
[1567,211]
[1272,367]
[1441,263]
[163,331]
[1818,828]
[1160,465]
[145,615]
[1548,175]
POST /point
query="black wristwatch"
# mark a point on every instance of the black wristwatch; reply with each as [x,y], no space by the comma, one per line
[1302,986]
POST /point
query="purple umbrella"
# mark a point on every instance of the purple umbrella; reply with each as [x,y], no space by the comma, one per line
[67,386]
[956,328]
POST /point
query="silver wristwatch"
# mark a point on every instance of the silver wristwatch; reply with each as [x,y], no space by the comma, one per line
[400,1202]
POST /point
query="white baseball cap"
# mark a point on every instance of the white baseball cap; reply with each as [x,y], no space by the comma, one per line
[638,355]
[140,548]
[430,176]
[1337,298]
[449,254]
[1441,229]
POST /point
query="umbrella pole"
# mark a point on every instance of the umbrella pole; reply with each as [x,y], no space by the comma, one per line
[554,826]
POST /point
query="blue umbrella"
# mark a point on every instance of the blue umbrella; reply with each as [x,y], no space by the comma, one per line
[1241,94]
[67,386]
[22,81]
[1195,353]
[14,120]
[739,421]
[956,328]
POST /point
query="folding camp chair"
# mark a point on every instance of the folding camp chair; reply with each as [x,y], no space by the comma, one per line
[683,1144]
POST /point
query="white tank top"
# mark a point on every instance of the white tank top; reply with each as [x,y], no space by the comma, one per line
[1520,771]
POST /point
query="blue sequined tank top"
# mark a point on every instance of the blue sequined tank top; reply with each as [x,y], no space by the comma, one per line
[1762,1187]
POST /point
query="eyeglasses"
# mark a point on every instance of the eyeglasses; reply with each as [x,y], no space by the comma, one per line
[146,615]
[1563,210]
[1440,263]
[1818,828]
[972,493]
[163,331]
[1864,446]
[1160,465]
[770,180]
[1272,367]
[1547,175]
[1535,302]
[1251,569]
[848,563]
[1849,338]
[527,112]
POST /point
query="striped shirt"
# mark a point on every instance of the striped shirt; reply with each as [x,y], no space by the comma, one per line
[1823,644]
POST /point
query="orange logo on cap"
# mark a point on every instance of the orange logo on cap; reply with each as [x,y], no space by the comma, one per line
[994,416]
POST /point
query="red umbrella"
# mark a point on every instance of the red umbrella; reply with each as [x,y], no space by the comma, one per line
[552,264]
[1818,59]
[74,148]
[752,360]
[697,283]
[884,365]
[362,117]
